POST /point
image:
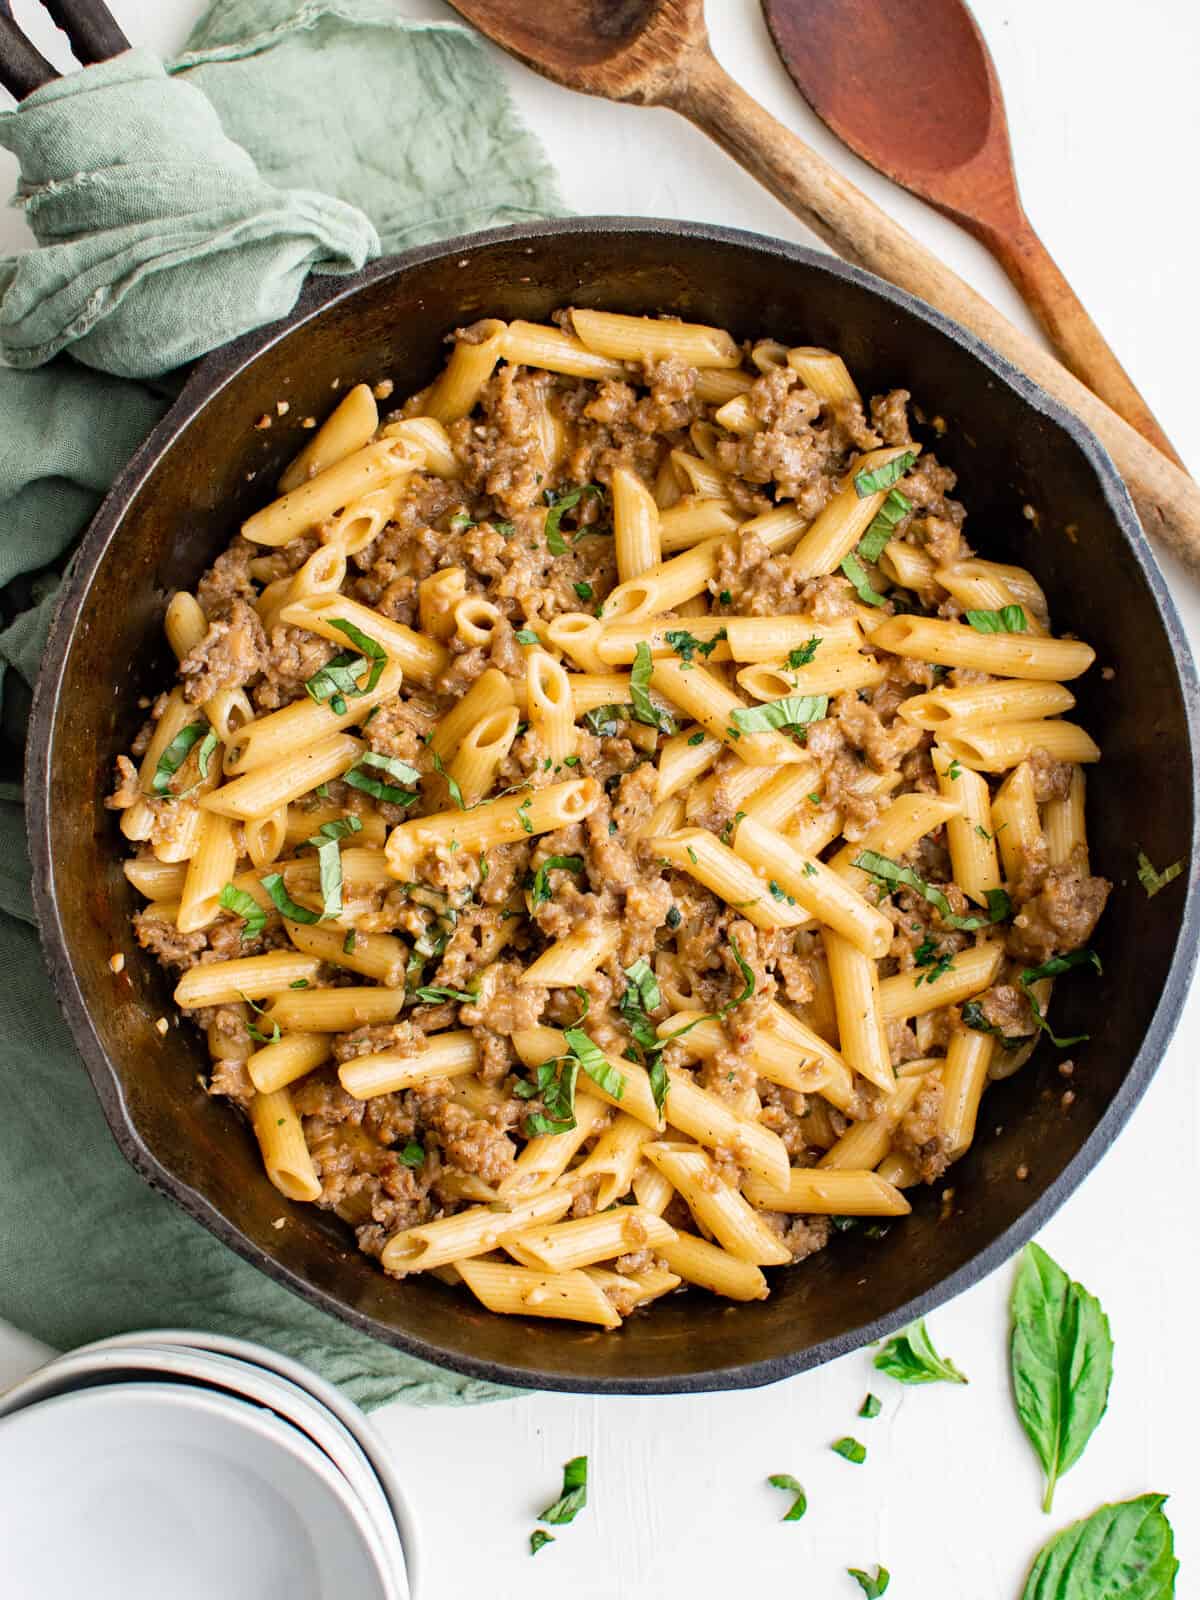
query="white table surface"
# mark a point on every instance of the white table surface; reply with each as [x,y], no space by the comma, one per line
[1105,127]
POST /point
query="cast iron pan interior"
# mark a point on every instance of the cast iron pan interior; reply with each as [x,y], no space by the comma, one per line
[1039,490]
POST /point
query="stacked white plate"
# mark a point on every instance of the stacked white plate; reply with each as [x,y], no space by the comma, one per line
[196,1467]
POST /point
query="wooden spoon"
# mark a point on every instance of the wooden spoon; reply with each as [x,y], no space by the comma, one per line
[656,52]
[939,130]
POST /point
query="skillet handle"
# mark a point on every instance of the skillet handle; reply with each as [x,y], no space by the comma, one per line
[859,231]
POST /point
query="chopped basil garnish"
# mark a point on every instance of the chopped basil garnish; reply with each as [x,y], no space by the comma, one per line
[555,542]
[1054,968]
[273,884]
[433,994]
[697,737]
[256,1033]
[245,906]
[210,742]
[911,1358]
[413,1154]
[364,780]
[538,1538]
[954,770]
[540,890]
[507,529]
[584,591]
[784,1480]
[605,721]
[350,942]
[1061,1357]
[974,1017]
[452,784]
[335,680]
[461,521]
[883,477]
[1151,879]
[892,875]
[871,1406]
[890,514]
[795,711]
[850,1450]
[298,983]
[802,655]
[874,1587]
[1009,619]
[853,569]
[593,1061]
[527,636]
[522,810]
[686,645]
[644,709]
[175,755]
[574,1494]
[326,843]
[555,1082]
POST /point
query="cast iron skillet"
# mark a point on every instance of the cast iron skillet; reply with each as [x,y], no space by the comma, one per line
[1039,490]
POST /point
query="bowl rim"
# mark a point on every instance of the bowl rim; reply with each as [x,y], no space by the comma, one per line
[207,379]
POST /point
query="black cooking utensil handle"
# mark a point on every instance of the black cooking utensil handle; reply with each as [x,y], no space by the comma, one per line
[23,67]
[94,32]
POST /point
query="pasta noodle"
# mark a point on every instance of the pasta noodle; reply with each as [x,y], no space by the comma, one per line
[606,797]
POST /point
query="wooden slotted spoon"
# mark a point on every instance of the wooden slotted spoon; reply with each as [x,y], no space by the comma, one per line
[656,52]
[940,131]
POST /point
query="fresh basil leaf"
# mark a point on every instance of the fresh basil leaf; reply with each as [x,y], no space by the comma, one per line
[892,876]
[885,522]
[641,995]
[522,817]
[452,784]
[853,569]
[358,777]
[1009,619]
[175,755]
[795,711]
[298,983]
[555,1082]
[537,1539]
[433,994]
[1054,968]
[461,521]
[850,1450]
[1121,1552]
[871,1407]
[593,1061]
[911,1358]
[686,645]
[644,709]
[273,884]
[245,906]
[998,904]
[256,1033]
[527,636]
[747,972]
[883,477]
[584,591]
[803,654]
[574,1494]
[1061,1360]
[540,890]
[874,1587]
[555,542]
[536,1124]
[1151,879]
[660,1083]
[784,1480]
[413,1154]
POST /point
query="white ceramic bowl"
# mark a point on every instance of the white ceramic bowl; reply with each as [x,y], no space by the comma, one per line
[140,1490]
[92,1368]
[348,1414]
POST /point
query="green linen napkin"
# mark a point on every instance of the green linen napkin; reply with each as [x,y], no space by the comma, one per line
[176,209]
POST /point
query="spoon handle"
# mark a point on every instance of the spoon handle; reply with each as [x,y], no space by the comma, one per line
[858,230]
[1068,325]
